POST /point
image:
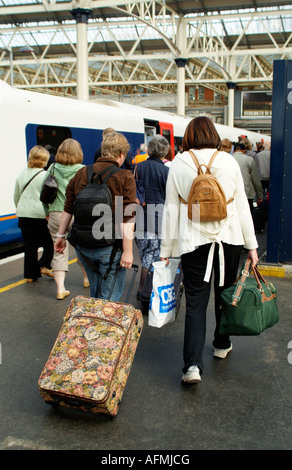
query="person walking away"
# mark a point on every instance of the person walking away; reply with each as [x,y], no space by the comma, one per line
[101,269]
[205,246]
[263,160]
[97,154]
[69,158]
[248,148]
[226,145]
[153,174]
[142,156]
[251,179]
[31,216]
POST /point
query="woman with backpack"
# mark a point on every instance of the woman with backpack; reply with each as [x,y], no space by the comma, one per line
[207,240]
[92,234]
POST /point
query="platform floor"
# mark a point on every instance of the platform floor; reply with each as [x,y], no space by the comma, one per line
[242,403]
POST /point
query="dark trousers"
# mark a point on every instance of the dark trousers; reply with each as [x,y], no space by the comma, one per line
[197,293]
[36,234]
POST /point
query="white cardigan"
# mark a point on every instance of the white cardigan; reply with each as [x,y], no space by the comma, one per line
[180,235]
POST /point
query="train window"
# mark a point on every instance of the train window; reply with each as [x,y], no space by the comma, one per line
[166,134]
[52,136]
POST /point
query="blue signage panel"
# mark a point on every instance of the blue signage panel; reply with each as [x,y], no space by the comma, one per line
[279,246]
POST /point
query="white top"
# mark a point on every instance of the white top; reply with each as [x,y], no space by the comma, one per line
[180,235]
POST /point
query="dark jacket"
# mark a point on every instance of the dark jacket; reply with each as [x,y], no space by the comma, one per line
[153,174]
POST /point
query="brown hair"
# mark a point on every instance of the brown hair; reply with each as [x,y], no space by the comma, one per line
[200,134]
[38,157]
[226,145]
[69,152]
[113,144]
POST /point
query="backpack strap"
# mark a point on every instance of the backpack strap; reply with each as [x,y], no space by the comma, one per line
[92,175]
[212,159]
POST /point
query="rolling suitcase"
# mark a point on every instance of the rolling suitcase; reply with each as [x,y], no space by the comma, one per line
[147,289]
[91,359]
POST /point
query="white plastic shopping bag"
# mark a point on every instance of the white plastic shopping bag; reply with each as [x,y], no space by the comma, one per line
[162,306]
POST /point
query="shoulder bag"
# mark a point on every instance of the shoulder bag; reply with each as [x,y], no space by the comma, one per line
[50,188]
[249,306]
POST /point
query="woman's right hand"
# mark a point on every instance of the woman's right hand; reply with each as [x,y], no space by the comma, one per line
[166,260]
[60,245]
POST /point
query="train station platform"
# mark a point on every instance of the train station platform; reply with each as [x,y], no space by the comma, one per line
[242,403]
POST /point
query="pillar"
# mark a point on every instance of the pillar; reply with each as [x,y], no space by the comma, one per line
[231,87]
[181,63]
[81,16]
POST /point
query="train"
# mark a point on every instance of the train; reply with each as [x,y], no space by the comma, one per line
[30,118]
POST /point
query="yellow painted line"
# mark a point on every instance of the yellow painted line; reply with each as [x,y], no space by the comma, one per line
[11,286]
[273,271]
[23,281]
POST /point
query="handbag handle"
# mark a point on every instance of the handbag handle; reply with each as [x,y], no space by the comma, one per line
[236,296]
[242,280]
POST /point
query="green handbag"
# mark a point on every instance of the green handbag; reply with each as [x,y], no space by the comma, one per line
[249,306]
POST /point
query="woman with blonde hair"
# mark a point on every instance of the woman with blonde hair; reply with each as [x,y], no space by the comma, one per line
[68,161]
[31,216]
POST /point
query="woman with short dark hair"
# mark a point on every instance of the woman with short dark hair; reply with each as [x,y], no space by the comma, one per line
[205,246]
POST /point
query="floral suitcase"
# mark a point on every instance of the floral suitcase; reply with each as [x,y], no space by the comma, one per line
[91,359]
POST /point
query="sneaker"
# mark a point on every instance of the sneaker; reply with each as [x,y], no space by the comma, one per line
[192,375]
[222,353]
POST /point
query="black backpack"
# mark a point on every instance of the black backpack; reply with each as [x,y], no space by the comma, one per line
[93,228]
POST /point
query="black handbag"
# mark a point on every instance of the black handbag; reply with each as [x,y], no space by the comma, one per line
[50,188]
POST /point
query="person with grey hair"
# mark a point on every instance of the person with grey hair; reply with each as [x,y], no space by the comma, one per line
[153,174]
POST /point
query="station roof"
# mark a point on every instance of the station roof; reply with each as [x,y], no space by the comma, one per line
[49,28]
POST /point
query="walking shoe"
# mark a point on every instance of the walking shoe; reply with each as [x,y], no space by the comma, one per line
[222,353]
[62,295]
[45,271]
[192,375]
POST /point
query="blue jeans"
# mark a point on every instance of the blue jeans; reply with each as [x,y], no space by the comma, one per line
[100,257]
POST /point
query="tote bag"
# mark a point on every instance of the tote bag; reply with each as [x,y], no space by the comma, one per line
[162,308]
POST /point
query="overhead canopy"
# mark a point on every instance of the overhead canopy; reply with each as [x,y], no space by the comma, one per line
[135,43]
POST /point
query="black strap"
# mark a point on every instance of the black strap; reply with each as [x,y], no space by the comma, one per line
[31,180]
[108,171]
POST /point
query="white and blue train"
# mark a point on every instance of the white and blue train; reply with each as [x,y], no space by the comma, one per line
[30,118]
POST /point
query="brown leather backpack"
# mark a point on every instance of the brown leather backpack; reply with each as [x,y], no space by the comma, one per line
[206,201]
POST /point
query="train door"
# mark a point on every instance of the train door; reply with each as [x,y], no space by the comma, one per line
[150,131]
[166,129]
[52,136]
[152,128]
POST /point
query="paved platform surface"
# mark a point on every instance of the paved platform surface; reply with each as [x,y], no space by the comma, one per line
[242,403]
